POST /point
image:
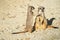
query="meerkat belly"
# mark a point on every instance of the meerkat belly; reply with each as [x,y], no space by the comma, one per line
[44,26]
[38,27]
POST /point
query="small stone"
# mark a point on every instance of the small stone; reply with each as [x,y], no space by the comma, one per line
[21,39]
[52,14]
[2,31]
[3,18]
[2,39]
[27,38]
[17,39]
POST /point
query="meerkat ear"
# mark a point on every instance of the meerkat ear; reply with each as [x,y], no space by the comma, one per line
[32,7]
[41,7]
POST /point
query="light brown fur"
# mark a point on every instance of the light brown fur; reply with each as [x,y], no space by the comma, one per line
[40,24]
[41,21]
[28,21]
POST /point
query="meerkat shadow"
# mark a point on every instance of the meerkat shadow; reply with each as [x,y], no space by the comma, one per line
[49,22]
[33,28]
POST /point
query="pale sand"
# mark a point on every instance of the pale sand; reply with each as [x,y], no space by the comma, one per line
[13,18]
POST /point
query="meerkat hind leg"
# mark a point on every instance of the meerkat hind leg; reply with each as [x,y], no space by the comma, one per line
[49,26]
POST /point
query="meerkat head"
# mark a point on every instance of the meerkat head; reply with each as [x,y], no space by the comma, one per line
[31,8]
[41,9]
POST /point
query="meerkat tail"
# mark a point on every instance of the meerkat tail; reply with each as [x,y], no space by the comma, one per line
[49,26]
[19,32]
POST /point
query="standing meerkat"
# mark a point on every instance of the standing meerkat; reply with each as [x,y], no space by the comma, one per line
[41,21]
[29,21]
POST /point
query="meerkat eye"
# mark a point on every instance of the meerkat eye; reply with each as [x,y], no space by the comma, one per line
[33,8]
[40,8]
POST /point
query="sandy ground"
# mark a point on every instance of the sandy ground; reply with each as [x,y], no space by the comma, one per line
[13,18]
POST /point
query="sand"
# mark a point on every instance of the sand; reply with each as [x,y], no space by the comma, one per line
[13,19]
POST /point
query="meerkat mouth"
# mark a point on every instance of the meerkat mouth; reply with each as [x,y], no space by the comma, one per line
[40,11]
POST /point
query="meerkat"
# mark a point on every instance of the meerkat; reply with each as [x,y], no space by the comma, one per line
[41,21]
[29,21]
